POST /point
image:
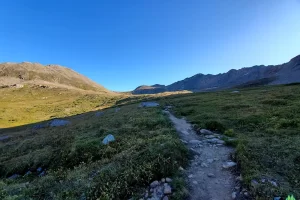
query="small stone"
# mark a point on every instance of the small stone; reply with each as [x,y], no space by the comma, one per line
[246,194]
[254,183]
[274,183]
[117,109]
[15,176]
[210,160]
[181,169]
[204,164]
[278,198]
[233,195]
[183,141]
[109,138]
[239,178]
[229,164]
[154,184]
[163,180]
[168,180]
[195,142]
[210,136]
[39,169]
[195,182]
[28,173]
[167,190]
[166,198]
[148,104]
[211,175]
[237,188]
[42,174]
[191,176]
[206,132]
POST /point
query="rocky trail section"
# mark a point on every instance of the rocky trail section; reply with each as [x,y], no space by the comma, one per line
[209,174]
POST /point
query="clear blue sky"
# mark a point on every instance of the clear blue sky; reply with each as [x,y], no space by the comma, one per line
[122,44]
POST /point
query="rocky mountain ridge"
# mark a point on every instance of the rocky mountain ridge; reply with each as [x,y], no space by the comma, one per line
[257,75]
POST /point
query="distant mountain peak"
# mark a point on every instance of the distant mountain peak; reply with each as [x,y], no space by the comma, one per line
[256,75]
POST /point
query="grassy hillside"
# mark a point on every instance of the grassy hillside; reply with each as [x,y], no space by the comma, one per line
[31,104]
[266,121]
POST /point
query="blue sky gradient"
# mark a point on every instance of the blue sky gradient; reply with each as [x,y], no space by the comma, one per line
[124,44]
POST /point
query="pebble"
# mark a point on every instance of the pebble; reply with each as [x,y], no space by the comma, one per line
[167,189]
[204,165]
[195,142]
[154,184]
[168,180]
[211,175]
[195,182]
[166,198]
[229,164]
[163,180]
[210,160]
[191,176]
[206,132]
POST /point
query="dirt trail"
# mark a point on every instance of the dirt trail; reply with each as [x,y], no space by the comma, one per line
[206,177]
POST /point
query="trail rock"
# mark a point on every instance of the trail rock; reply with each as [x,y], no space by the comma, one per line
[166,198]
[210,160]
[117,109]
[168,180]
[163,180]
[109,138]
[148,104]
[59,122]
[215,141]
[154,184]
[167,189]
[211,175]
[206,132]
[229,164]
[39,169]
[195,182]
[195,142]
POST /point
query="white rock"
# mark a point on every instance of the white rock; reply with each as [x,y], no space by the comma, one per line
[229,164]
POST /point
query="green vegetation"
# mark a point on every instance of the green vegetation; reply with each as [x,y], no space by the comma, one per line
[266,122]
[79,165]
[33,104]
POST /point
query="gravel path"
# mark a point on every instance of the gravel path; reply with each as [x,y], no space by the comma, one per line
[207,177]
